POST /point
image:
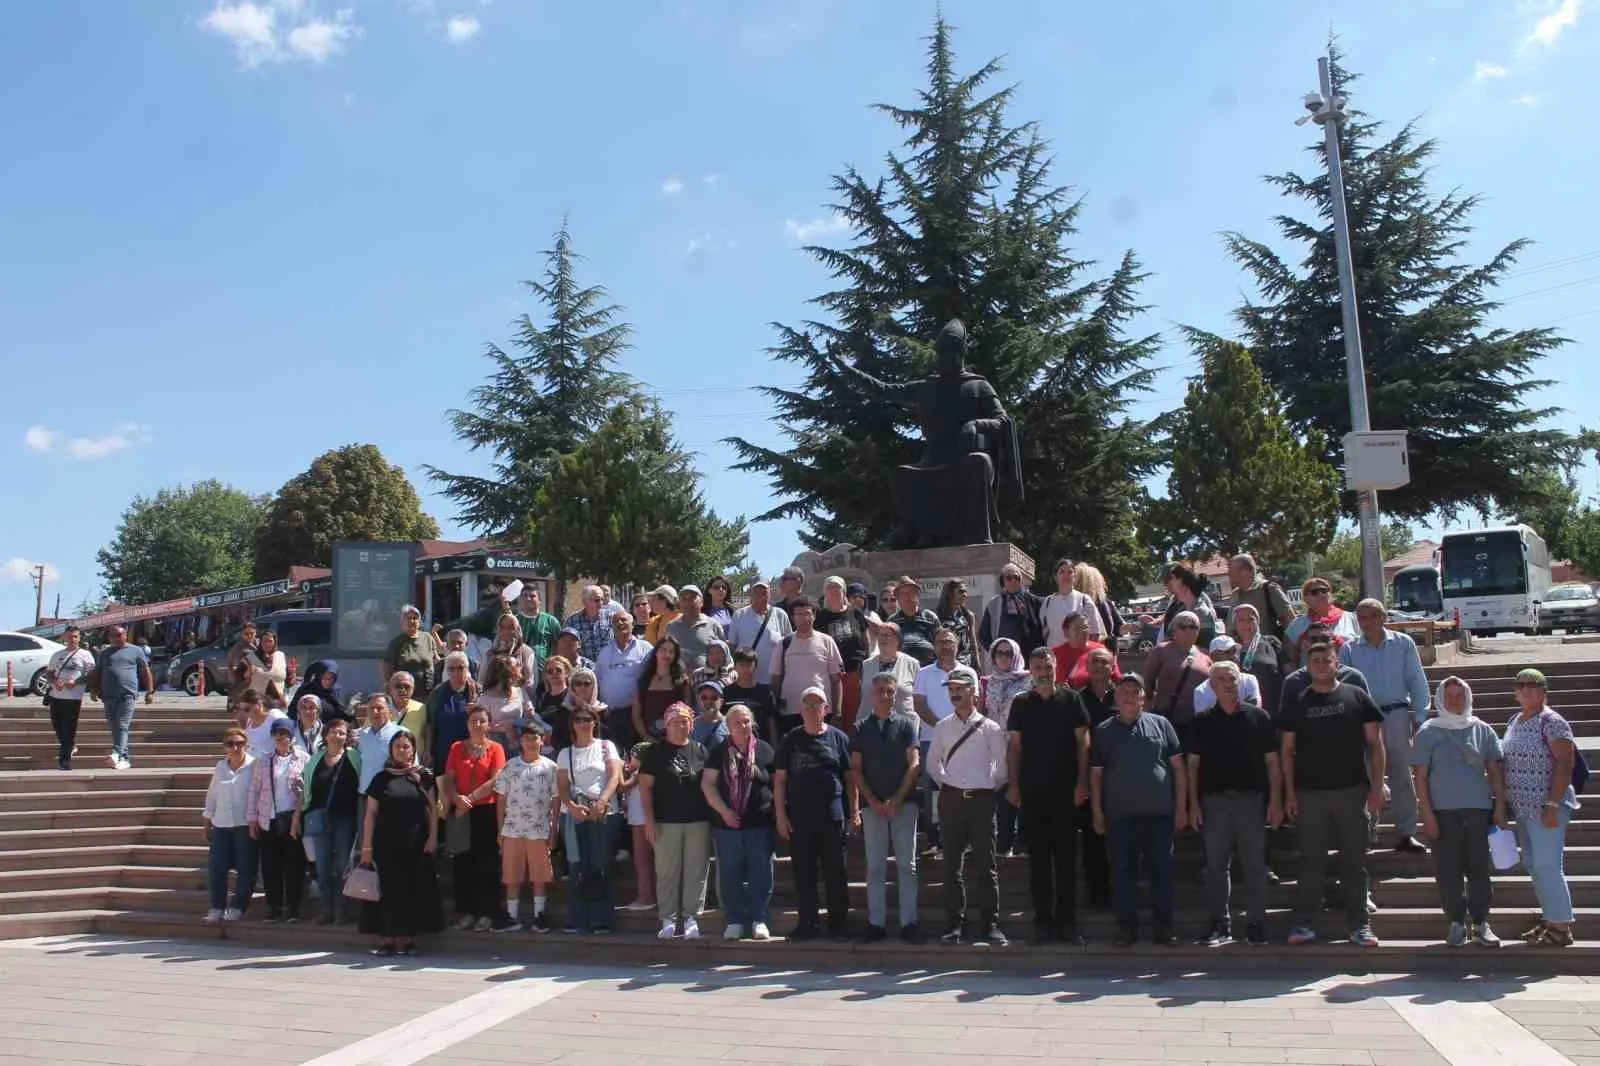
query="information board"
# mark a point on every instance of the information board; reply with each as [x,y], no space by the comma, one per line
[372,581]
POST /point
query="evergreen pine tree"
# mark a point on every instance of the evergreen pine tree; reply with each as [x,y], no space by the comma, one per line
[1240,480]
[1435,364]
[542,399]
[967,224]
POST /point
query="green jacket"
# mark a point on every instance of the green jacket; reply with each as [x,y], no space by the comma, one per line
[311,771]
[539,631]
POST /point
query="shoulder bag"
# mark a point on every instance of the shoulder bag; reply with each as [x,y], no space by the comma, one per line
[362,883]
[1580,765]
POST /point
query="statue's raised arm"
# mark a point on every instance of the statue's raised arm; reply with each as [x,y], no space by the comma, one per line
[897,392]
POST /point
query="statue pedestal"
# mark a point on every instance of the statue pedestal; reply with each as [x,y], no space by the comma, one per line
[976,564]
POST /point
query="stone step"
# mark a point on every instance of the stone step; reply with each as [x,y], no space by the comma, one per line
[98,836]
[94,799]
[101,855]
[102,877]
[51,923]
[88,778]
[98,818]
[1575,672]
[1423,955]
[142,759]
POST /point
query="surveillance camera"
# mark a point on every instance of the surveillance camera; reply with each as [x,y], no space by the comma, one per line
[1315,105]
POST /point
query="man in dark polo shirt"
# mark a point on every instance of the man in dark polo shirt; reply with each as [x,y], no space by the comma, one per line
[1235,789]
[1048,759]
[814,798]
[886,762]
[1330,735]
[1140,793]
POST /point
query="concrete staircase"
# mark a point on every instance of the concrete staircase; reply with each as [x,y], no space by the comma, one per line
[123,852]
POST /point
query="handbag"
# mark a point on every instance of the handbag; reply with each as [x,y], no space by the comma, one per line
[362,883]
[316,822]
[1580,765]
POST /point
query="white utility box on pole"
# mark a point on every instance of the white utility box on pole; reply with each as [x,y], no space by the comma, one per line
[1375,460]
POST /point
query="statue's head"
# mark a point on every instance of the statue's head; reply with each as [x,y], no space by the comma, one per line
[951,348]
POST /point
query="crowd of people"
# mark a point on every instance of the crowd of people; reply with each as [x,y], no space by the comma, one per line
[951,735]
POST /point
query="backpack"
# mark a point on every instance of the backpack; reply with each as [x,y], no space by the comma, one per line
[1580,765]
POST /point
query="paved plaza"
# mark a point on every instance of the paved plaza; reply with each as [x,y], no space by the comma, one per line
[101,1000]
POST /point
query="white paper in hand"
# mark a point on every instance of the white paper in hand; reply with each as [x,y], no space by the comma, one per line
[511,591]
[1502,848]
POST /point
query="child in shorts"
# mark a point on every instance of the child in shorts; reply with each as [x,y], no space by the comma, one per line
[644,860]
[527,812]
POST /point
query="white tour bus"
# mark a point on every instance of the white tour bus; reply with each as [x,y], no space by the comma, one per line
[1416,590]
[1495,577]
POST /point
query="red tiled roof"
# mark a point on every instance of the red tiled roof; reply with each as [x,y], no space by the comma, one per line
[1419,554]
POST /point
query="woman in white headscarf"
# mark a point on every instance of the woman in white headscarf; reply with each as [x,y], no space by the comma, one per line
[1005,682]
[1461,790]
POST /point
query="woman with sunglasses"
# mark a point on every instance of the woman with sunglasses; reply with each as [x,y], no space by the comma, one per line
[331,787]
[583,694]
[399,833]
[1317,596]
[719,602]
[555,700]
[588,774]
[274,806]
[227,820]
[1539,755]
[641,611]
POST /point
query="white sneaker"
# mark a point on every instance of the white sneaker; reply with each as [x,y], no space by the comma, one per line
[640,905]
[464,923]
[669,929]
[212,916]
[691,929]
[232,914]
[733,932]
[111,761]
[759,931]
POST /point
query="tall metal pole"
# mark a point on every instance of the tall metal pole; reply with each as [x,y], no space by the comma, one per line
[38,593]
[1355,367]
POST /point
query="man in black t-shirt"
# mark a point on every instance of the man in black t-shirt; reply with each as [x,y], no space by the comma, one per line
[1330,733]
[917,624]
[814,795]
[1236,786]
[1048,758]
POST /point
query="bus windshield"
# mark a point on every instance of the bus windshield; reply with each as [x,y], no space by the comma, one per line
[1418,591]
[1485,564]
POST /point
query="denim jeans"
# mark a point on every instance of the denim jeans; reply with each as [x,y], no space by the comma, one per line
[119,719]
[589,847]
[1543,857]
[744,874]
[232,849]
[333,859]
[1147,837]
[879,833]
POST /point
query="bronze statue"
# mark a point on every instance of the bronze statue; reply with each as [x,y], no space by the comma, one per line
[969,451]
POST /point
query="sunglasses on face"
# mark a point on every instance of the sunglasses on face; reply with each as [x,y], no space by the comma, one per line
[1318,592]
[583,684]
[583,721]
[1186,625]
[231,744]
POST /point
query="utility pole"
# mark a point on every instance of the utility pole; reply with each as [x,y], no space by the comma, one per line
[1327,111]
[37,573]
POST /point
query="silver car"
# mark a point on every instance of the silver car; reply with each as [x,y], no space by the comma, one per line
[1569,607]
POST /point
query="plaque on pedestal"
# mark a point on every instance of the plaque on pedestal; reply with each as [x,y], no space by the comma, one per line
[976,564]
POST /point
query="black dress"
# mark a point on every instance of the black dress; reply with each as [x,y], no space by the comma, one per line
[407,881]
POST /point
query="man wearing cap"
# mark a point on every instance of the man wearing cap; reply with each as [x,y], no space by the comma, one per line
[693,631]
[1333,771]
[1175,669]
[886,763]
[663,609]
[967,760]
[855,594]
[805,659]
[814,795]
[1048,767]
[760,627]
[589,623]
[1395,679]
[1139,791]
[917,625]
[709,725]
[1224,649]
[569,647]
[791,589]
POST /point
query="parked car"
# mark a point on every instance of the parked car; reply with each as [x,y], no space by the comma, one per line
[27,655]
[1570,607]
[304,635]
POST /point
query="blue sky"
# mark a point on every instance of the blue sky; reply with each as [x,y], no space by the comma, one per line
[238,234]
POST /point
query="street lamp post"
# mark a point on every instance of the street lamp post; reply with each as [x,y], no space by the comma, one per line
[1327,111]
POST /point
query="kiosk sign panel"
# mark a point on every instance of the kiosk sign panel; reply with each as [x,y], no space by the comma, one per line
[372,581]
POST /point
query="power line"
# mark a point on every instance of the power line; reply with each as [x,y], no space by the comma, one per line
[1576,283]
[1555,264]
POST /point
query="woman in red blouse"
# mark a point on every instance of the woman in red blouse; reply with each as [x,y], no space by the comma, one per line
[1071,669]
[473,832]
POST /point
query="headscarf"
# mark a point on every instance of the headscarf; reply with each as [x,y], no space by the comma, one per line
[1003,686]
[1445,719]
[1247,652]
[414,770]
[725,676]
[332,699]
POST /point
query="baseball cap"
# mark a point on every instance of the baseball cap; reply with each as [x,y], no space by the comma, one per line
[568,631]
[666,592]
[904,582]
[814,690]
[281,725]
[1132,678]
[962,675]
[1223,643]
[715,686]
[1531,676]
[759,582]
[855,588]
[688,590]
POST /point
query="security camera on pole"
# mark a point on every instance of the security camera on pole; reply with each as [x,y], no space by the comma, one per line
[1373,460]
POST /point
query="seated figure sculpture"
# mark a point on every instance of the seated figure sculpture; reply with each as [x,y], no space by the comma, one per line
[969,452]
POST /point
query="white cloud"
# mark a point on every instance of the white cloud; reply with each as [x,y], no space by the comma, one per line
[1526,100]
[1486,70]
[462,28]
[20,569]
[672,186]
[280,31]
[710,180]
[124,436]
[1548,30]
[806,232]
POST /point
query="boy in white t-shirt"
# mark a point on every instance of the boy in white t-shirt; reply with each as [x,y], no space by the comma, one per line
[644,859]
[527,811]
